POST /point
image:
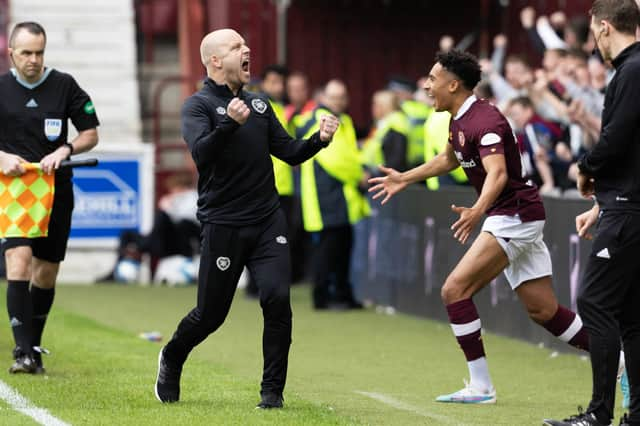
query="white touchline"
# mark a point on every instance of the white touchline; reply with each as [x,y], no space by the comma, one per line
[400,405]
[23,405]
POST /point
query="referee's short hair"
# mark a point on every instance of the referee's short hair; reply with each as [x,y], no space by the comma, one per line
[30,26]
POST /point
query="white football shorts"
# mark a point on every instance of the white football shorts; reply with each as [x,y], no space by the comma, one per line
[522,242]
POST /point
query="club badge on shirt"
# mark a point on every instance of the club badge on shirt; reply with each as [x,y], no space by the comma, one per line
[52,128]
[259,105]
[461,138]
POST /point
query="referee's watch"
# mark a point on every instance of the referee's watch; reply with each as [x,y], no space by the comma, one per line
[70,146]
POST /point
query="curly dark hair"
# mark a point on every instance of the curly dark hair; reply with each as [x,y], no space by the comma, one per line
[464,65]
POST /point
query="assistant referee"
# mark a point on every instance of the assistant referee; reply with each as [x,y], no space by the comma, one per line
[35,106]
[231,134]
[610,292]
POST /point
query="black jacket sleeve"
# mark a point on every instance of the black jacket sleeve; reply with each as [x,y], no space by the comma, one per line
[204,138]
[80,108]
[618,130]
[394,149]
[290,150]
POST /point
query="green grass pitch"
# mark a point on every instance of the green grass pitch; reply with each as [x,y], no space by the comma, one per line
[346,368]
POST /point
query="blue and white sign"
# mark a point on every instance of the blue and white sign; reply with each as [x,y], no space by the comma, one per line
[116,195]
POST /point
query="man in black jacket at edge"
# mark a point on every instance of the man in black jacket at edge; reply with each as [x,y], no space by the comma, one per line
[610,292]
[231,134]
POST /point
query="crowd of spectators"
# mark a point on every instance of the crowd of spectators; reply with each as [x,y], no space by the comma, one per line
[554,106]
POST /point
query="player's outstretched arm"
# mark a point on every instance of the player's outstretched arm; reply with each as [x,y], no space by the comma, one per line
[388,185]
[395,181]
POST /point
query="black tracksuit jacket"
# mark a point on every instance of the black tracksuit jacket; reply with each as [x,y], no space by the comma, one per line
[236,183]
[614,162]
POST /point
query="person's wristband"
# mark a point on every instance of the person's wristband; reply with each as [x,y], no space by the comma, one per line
[70,146]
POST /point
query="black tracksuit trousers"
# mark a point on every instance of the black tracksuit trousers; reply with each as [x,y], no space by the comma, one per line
[609,305]
[264,248]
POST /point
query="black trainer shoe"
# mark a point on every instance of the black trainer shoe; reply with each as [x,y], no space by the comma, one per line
[580,419]
[24,363]
[167,387]
[37,357]
[270,400]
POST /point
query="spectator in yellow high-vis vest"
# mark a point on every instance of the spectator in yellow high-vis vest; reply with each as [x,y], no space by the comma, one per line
[300,102]
[332,200]
[388,143]
[273,85]
[417,113]
[436,138]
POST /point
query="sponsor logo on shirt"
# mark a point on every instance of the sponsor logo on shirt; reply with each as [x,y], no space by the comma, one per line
[32,103]
[52,128]
[223,263]
[220,110]
[465,164]
[281,239]
[259,105]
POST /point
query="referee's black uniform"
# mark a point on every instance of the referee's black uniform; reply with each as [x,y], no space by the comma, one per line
[609,303]
[242,223]
[34,123]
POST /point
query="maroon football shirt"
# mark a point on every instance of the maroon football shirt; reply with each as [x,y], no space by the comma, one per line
[480,130]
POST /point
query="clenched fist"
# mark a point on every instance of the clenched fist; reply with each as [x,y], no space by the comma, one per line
[328,126]
[238,111]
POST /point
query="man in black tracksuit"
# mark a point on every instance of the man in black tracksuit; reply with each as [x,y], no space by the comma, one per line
[610,293]
[231,134]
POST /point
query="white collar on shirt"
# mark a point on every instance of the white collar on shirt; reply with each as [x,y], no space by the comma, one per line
[465,106]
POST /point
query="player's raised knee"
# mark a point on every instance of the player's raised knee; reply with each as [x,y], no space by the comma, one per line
[453,290]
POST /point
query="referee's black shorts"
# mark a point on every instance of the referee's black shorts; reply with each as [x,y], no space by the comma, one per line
[53,247]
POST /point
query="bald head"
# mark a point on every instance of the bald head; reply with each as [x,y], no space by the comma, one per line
[217,43]
[226,57]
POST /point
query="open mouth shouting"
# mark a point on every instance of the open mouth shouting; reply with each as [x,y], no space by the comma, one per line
[245,65]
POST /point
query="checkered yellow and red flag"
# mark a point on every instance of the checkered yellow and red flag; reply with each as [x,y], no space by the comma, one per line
[26,202]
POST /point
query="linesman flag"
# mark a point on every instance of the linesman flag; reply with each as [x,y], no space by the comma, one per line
[26,202]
